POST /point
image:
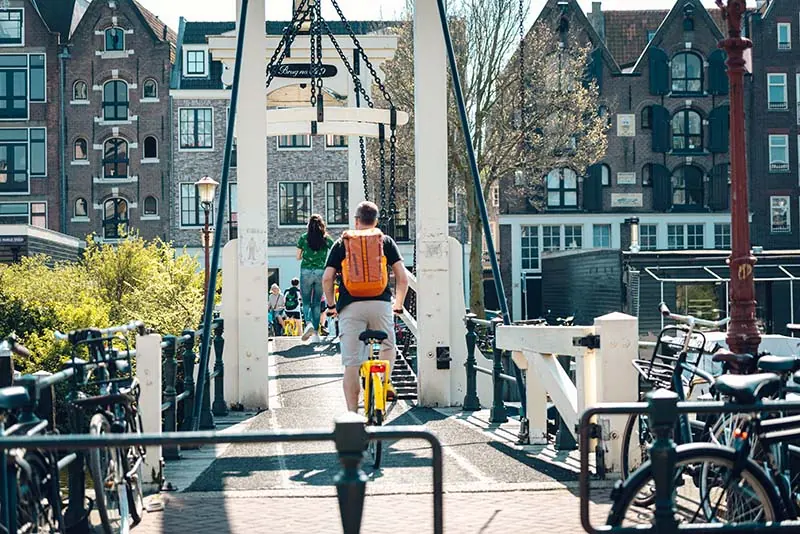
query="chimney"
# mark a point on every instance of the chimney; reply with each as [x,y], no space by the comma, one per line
[598,19]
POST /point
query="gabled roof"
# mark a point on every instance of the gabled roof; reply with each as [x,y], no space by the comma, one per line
[198,32]
[160,30]
[674,13]
[57,14]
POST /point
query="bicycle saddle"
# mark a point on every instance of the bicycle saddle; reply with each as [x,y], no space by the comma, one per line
[747,389]
[377,335]
[779,364]
[13,397]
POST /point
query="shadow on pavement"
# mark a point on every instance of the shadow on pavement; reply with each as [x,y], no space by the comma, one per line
[294,350]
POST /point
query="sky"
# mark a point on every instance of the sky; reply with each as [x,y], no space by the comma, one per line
[200,10]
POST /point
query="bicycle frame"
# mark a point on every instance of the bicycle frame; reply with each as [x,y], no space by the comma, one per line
[370,370]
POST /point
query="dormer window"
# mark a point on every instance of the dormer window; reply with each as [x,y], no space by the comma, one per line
[11,24]
[196,63]
[150,88]
[115,40]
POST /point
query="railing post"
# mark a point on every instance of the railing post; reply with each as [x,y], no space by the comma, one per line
[219,408]
[498,412]
[188,379]
[351,482]
[663,412]
[206,418]
[170,378]
[564,439]
[149,371]
[471,401]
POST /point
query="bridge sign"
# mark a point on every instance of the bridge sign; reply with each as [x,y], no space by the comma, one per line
[304,70]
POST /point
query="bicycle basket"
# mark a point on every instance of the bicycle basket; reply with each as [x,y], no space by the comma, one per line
[657,371]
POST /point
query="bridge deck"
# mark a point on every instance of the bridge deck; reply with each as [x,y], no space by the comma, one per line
[491,484]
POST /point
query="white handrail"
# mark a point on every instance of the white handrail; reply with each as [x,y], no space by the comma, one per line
[412,281]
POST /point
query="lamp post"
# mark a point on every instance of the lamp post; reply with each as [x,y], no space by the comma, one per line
[633,222]
[743,335]
[206,190]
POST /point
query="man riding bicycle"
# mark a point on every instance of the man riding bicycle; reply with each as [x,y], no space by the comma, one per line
[363,258]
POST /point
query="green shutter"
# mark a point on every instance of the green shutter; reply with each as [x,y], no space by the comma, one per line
[717,73]
[660,129]
[596,68]
[719,129]
[659,71]
[720,194]
[593,189]
[662,188]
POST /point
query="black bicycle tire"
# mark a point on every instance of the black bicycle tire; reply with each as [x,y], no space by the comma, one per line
[624,465]
[95,472]
[134,490]
[684,453]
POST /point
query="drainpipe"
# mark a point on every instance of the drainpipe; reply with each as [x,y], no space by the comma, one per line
[63,57]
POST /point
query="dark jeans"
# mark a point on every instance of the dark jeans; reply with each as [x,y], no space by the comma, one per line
[311,290]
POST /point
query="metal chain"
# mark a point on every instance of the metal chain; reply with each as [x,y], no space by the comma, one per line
[359,87]
[522,112]
[289,35]
[392,175]
[312,36]
[364,167]
[382,157]
[318,28]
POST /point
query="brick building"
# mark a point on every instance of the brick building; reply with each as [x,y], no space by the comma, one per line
[663,84]
[117,140]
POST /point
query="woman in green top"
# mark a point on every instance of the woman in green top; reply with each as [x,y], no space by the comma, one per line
[312,250]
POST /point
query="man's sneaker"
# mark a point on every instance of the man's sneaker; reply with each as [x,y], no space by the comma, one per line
[309,331]
[391,394]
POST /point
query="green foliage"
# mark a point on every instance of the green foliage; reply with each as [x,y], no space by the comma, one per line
[112,284]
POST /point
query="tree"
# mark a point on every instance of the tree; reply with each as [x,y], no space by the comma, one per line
[527,118]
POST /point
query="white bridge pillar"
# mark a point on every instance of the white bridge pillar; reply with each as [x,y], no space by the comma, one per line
[430,128]
[251,135]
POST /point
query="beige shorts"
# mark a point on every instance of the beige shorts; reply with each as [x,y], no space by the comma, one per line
[359,316]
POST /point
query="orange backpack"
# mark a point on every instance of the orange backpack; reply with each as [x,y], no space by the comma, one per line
[364,271]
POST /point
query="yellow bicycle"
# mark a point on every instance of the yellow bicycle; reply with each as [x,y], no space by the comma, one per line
[375,379]
[292,326]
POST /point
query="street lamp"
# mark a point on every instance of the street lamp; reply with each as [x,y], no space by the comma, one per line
[743,335]
[206,190]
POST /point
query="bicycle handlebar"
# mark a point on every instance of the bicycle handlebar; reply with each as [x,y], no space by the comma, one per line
[78,335]
[691,320]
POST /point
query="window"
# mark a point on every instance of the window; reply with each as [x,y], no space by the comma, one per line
[551,238]
[573,236]
[36,74]
[13,87]
[294,141]
[14,213]
[80,208]
[81,151]
[676,239]
[648,237]
[38,148]
[115,158]
[601,236]
[496,195]
[115,218]
[687,186]
[605,174]
[776,91]
[562,188]
[233,211]
[687,131]
[151,206]
[80,91]
[196,128]
[11,24]
[779,153]
[530,247]
[234,155]
[694,236]
[150,147]
[115,40]
[294,203]
[647,118]
[784,36]
[647,174]
[196,62]
[722,236]
[336,202]
[335,141]
[780,219]
[14,165]
[39,214]
[452,207]
[115,101]
[687,73]
[150,89]
[191,211]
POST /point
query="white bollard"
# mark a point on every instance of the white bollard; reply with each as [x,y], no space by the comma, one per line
[616,378]
[148,371]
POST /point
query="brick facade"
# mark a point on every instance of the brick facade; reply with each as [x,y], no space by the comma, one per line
[111,192]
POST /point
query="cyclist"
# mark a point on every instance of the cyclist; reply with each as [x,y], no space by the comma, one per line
[363,258]
[293,301]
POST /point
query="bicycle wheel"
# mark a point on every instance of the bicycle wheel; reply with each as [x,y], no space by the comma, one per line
[375,417]
[748,497]
[636,440]
[106,470]
[134,480]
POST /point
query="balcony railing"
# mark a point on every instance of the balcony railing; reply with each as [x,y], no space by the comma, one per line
[778,106]
[785,46]
[779,166]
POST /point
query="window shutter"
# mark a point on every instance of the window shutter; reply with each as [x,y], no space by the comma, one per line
[717,73]
[720,194]
[719,129]
[659,72]
[593,189]
[662,188]
[596,68]
[660,129]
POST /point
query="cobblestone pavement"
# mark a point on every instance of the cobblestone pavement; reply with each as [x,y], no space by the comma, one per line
[490,484]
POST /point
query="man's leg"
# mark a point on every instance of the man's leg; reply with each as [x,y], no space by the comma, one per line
[382,318]
[353,321]
[352,387]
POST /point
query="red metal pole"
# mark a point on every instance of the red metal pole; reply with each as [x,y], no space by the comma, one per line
[206,249]
[743,335]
